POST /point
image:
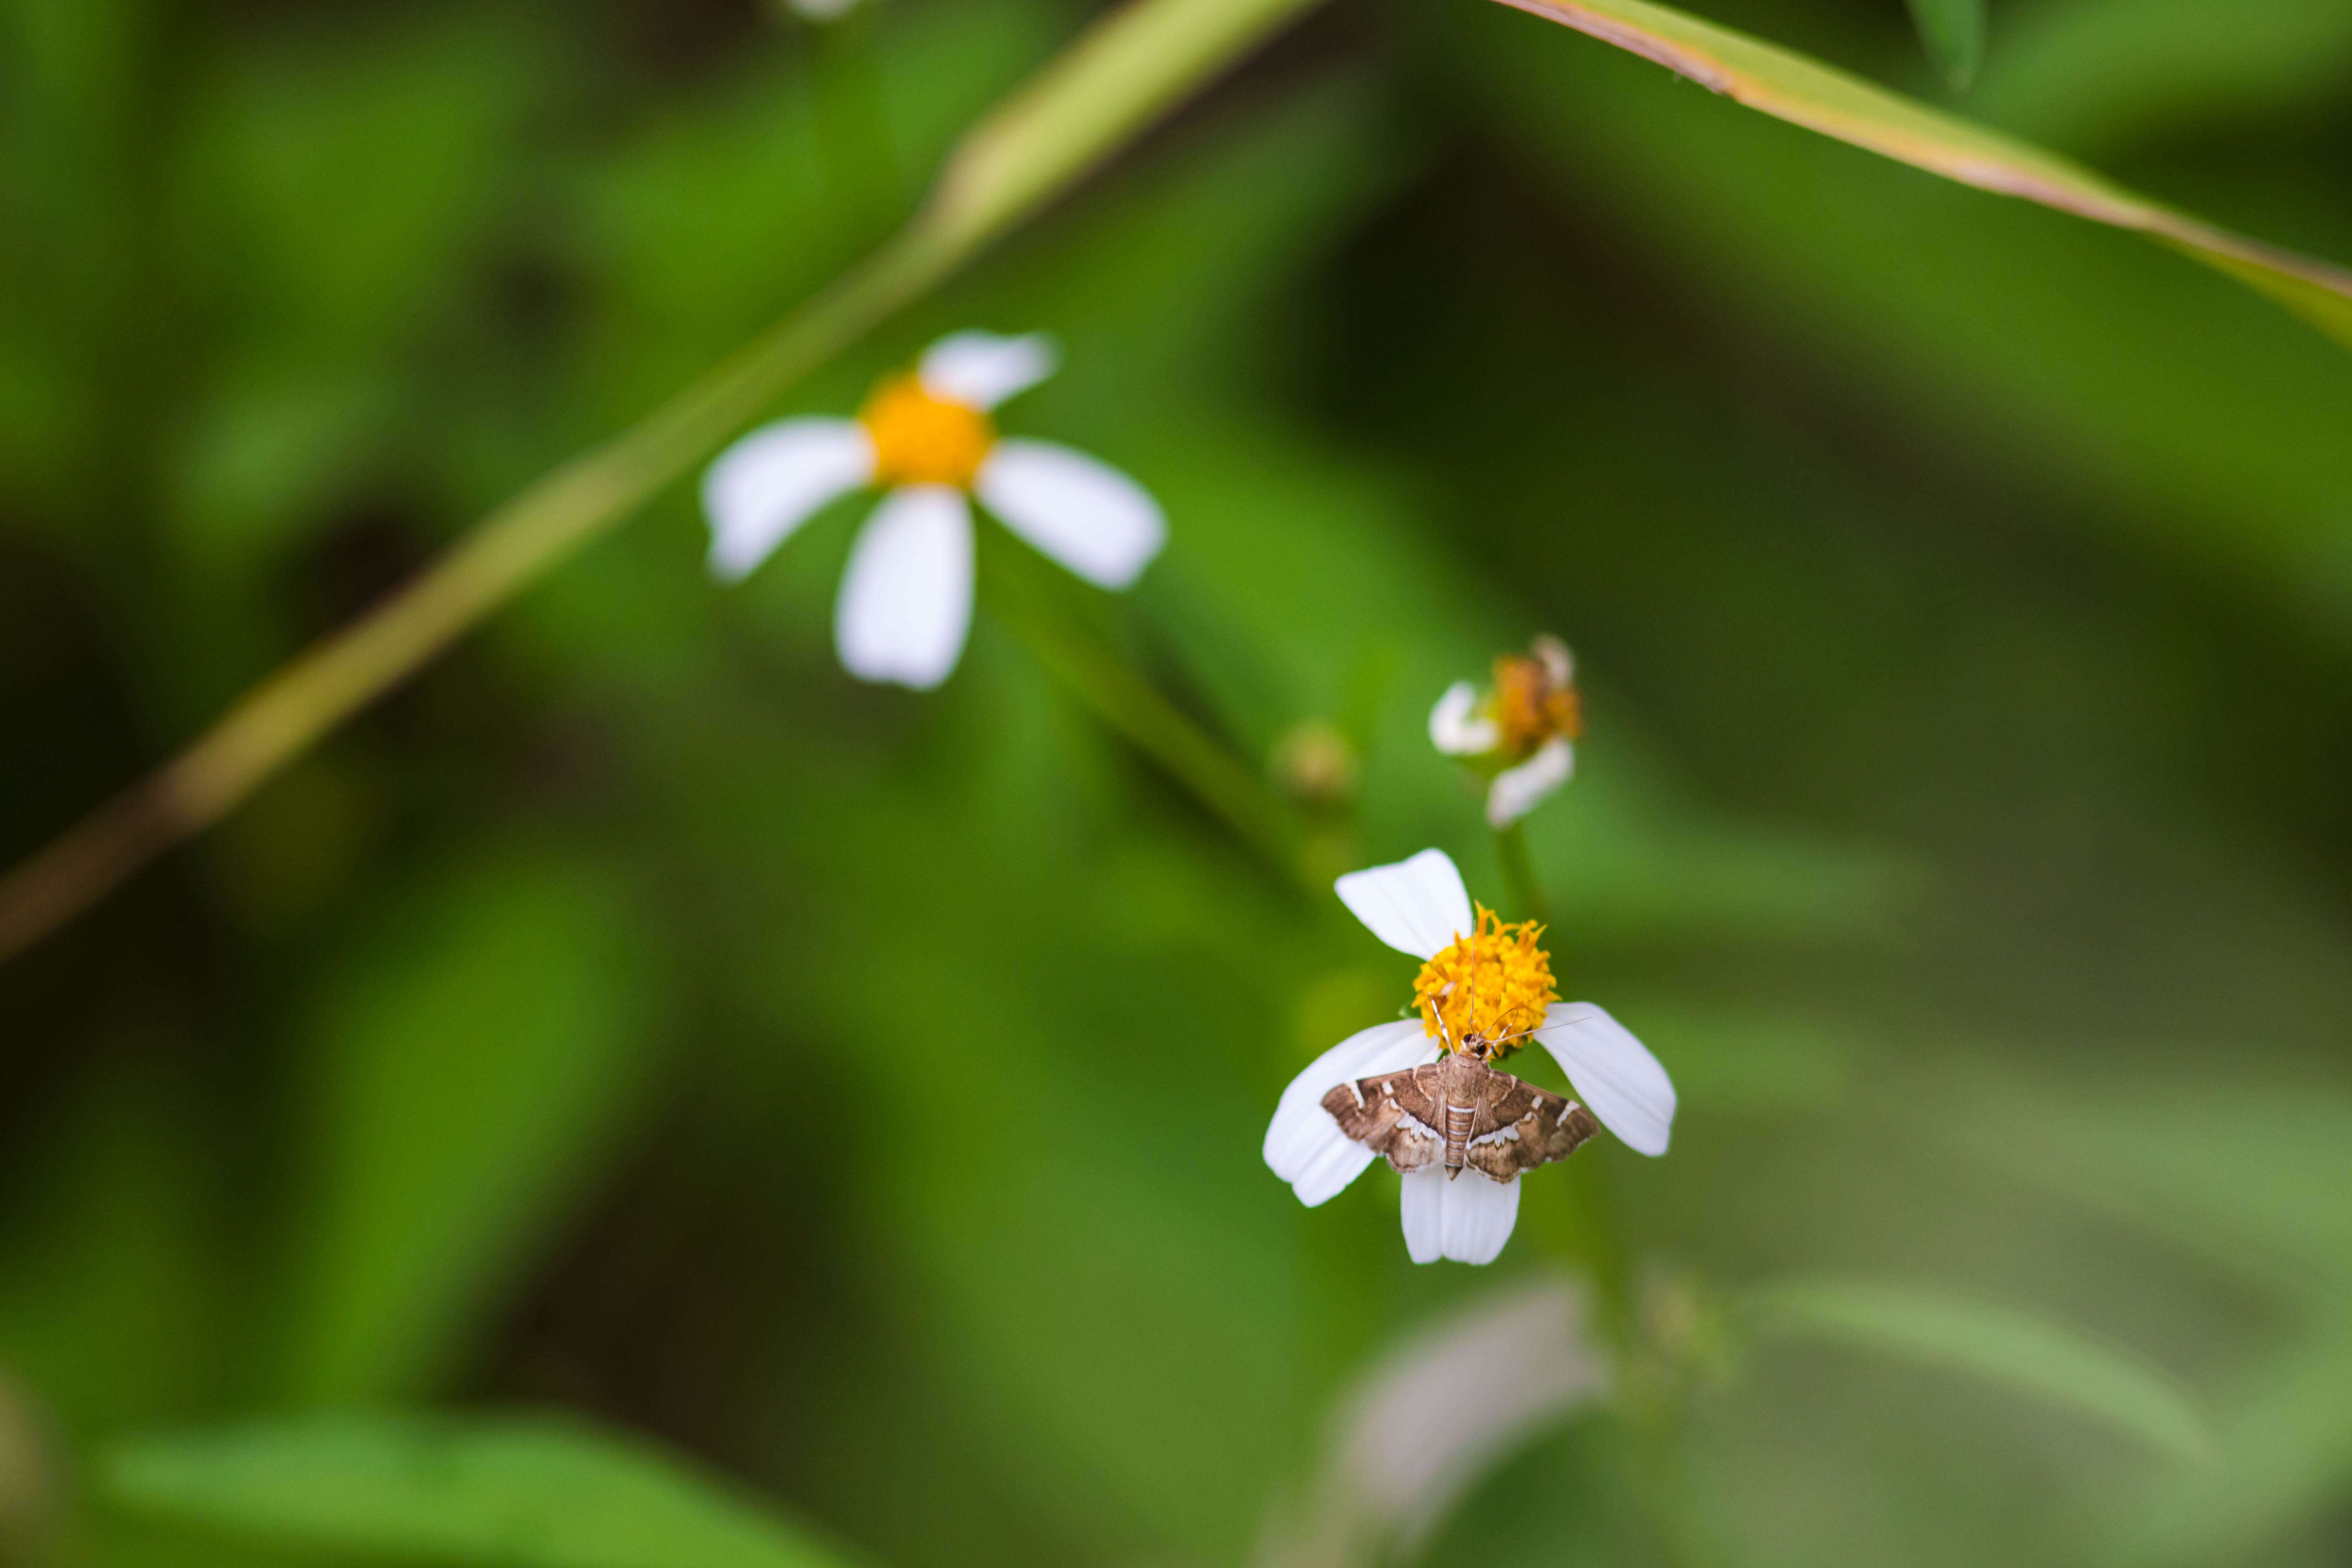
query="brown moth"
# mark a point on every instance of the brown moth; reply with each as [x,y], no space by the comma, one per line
[1462,1112]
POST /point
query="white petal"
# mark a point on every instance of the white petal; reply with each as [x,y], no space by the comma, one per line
[906,600]
[1417,906]
[1084,514]
[981,369]
[1615,1074]
[1560,665]
[1333,1161]
[1518,791]
[1456,726]
[1464,1217]
[1422,1209]
[1303,1145]
[767,484]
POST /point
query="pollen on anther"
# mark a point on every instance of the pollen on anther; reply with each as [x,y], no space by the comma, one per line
[1492,985]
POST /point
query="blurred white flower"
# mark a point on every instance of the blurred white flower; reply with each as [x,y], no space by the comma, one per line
[1519,733]
[1485,986]
[1419,1428]
[927,439]
[819,10]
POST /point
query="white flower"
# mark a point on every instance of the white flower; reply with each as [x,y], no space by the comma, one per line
[1457,727]
[1519,733]
[1420,906]
[1517,791]
[928,440]
[1428,1420]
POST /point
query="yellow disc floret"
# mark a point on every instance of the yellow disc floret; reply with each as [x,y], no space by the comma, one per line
[919,439]
[1489,986]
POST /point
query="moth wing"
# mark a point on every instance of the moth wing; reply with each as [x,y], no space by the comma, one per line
[1548,1129]
[1502,1101]
[1365,1108]
[1390,1114]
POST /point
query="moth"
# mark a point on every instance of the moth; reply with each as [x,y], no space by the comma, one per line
[1460,1112]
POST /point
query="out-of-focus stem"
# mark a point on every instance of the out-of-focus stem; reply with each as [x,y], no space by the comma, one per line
[1112,81]
[1135,710]
[1527,900]
[1592,1239]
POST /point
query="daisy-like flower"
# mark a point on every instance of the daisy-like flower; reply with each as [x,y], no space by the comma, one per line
[1485,988]
[926,440]
[1520,733]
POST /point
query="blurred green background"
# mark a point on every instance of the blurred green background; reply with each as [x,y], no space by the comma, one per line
[859,1093]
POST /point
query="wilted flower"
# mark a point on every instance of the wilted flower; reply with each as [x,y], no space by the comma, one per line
[1485,988]
[1520,733]
[927,439]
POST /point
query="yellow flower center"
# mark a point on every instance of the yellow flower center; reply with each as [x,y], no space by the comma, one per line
[919,439]
[1531,707]
[1489,986]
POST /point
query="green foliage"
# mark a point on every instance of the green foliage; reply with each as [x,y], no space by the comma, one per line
[1791,87]
[1954,34]
[473,1058]
[523,1493]
[863,1091]
[2126,377]
[2017,1349]
[334,298]
[2101,76]
[114,1285]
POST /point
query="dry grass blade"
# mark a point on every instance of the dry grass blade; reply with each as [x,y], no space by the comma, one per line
[1802,91]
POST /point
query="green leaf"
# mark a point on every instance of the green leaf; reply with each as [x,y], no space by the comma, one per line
[517,1492]
[1999,320]
[1954,34]
[2283,1457]
[420,119]
[1802,91]
[2002,1345]
[113,1269]
[474,1056]
[2109,73]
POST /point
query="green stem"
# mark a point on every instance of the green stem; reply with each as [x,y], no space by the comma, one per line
[1582,1229]
[1527,896]
[1114,79]
[1648,1395]
[1135,710]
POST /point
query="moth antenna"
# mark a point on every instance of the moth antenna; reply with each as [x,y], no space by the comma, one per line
[1437,1011]
[1521,1033]
[1474,966]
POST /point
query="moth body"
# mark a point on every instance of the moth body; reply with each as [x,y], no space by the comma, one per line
[1460,1113]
